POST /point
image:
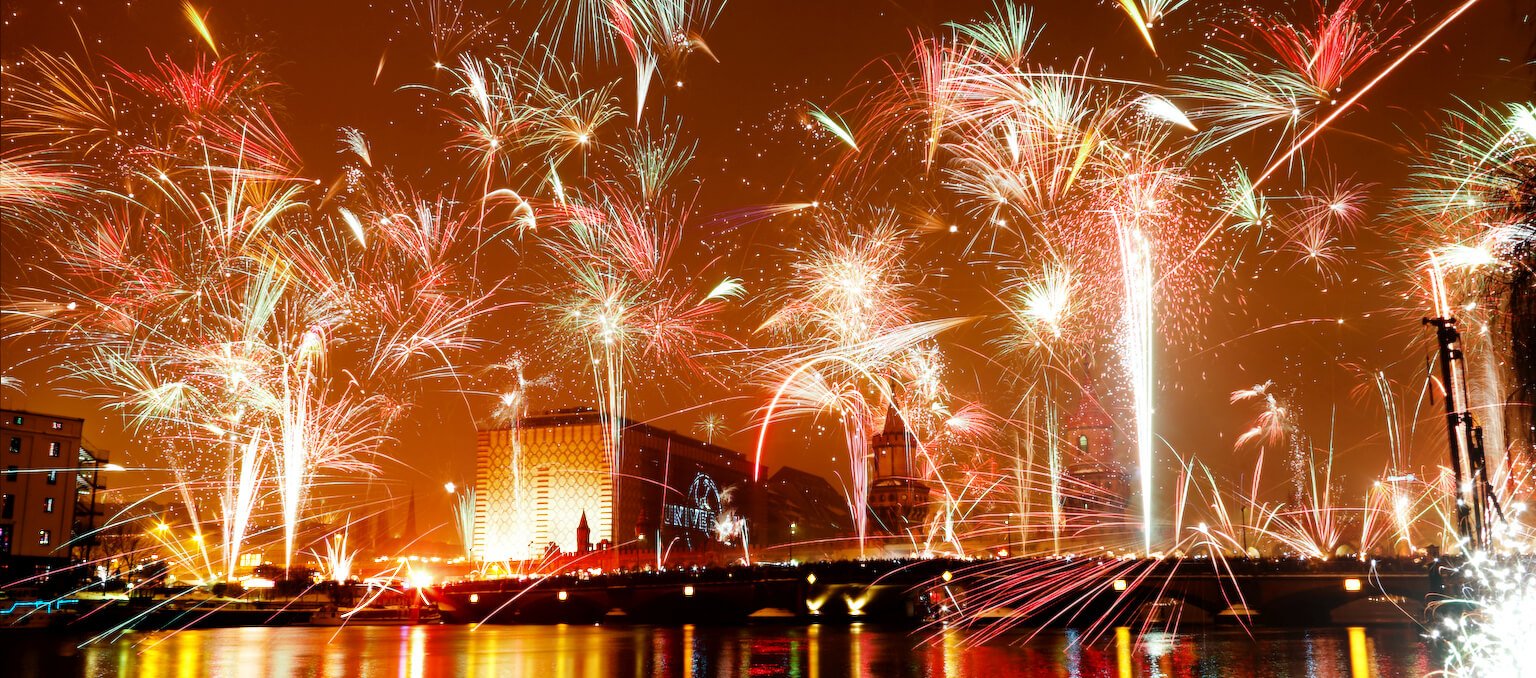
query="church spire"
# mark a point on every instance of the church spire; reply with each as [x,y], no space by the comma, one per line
[895,424]
[583,534]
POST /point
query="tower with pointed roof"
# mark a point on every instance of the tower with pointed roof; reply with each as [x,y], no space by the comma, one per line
[583,534]
[897,496]
[1098,488]
[1089,430]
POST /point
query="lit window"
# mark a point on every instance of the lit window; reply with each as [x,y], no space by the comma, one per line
[53,477]
[48,505]
[58,426]
[18,420]
[54,448]
[1082,443]
[44,537]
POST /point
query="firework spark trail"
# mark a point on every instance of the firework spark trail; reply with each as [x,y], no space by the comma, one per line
[199,21]
[1455,392]
[1036,125]
[1146,13]
[1339,110]
[629,303]
[240,498]
[1490,635]
[609,236]
[289,308]
[1468,193]
[1053,468]
[1135,252]
[210,292]
[835,124]
[197,309]
[848,303]
[1364,89]
[338,556]
[506,540]
[710,425]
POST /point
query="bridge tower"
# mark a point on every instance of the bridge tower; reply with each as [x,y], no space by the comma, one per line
[1097,488]
[897,496]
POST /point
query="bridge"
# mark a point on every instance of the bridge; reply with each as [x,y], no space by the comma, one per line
[1024,590]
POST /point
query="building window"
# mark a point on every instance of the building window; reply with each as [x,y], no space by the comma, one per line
[53,477]
[8,506]
[1082,443]
[58,426]
[44,537]
[54,448]
[10,473]
[48,505]
[15,445]
[18,420]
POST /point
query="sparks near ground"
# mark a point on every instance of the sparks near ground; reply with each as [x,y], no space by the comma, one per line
[973,244]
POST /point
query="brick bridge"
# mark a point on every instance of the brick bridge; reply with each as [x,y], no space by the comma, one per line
[1030,591]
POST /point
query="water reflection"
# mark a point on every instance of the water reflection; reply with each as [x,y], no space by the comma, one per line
[813,662]
[1123,651]
[700,651]
[1359,653]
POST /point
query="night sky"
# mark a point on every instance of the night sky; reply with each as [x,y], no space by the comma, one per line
[748,116]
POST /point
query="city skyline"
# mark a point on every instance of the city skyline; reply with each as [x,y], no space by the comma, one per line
[1292,344]
[991,318]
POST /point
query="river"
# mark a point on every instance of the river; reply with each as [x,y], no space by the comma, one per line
[756,650]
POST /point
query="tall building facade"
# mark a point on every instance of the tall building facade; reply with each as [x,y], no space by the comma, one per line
[47,492]
[537,483]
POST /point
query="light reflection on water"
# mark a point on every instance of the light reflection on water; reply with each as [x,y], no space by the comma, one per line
[765,650]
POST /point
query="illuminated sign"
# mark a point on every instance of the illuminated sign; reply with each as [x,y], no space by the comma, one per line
[704,500]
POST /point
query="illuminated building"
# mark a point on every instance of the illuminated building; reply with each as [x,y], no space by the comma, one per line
[1097,488]
[48,491]
[538,484]
[897,497]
